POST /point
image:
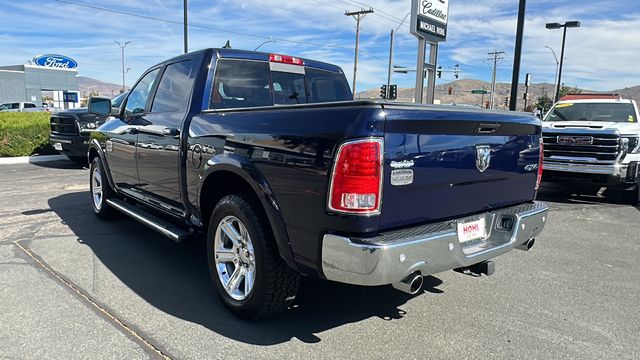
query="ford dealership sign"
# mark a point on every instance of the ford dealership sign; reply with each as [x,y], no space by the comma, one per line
[55,61]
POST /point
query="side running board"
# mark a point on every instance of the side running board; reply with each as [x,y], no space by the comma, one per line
[165,228]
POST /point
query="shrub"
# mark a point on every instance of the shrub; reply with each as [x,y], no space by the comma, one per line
[23,134]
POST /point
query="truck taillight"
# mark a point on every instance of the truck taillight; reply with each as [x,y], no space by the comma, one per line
[540,164]
[285,59]
[356,180]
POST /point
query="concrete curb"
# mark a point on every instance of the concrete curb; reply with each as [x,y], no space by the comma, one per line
[31,159]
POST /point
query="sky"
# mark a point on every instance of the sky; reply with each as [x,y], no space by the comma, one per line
[600,55]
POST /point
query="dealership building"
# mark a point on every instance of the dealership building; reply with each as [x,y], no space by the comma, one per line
[53,76]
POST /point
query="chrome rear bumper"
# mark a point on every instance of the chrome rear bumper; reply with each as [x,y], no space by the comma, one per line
[430,249]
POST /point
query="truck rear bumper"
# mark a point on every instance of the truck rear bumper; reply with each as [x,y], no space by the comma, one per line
[430,249]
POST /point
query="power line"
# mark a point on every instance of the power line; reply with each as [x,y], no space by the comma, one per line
[121,12]
[377,10]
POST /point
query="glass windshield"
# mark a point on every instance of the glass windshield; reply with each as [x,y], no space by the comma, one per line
[613,112]
[116,102]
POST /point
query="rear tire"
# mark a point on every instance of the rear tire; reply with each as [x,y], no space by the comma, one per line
[100,191]
[251,278]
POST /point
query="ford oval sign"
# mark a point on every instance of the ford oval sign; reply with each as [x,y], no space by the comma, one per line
[55,61]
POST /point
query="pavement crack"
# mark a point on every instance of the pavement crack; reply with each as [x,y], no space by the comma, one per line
[93,303]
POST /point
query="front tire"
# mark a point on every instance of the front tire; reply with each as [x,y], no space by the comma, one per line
[251,278]
[100,191]
[633,196]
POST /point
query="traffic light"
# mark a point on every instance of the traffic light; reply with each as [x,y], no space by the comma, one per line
[506,101]
[439,72]
[383,92]
[457,71]
[393,92]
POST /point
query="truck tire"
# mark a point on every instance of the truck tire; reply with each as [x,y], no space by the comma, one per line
[633,196]
[245,266]
[100,191]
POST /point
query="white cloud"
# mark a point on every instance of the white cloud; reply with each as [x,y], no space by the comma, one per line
[600,55]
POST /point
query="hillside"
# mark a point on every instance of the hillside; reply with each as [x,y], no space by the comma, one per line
[87,85]
[461,93]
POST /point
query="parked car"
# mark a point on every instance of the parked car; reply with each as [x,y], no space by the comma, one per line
[71,129]
[286,175]
[594,142]
[20,107]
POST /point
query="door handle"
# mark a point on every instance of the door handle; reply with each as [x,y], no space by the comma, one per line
[487,128]
[171,131]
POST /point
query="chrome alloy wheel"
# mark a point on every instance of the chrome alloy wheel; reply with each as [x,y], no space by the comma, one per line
[235,258]
[96,187]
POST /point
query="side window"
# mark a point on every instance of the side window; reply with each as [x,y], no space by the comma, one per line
[289,88]
[240,84]
[29,105]
[326,86]
[137,100]
[15,106]
[174,89]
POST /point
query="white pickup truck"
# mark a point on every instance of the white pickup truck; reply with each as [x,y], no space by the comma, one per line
[594,141]
[20,107]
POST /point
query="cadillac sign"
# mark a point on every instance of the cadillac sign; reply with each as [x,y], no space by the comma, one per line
[430,19]
[55,61]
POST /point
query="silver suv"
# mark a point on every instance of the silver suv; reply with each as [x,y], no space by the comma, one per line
[594,142]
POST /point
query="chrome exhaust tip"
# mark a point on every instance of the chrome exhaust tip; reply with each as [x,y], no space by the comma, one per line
[526,246]
[411,284]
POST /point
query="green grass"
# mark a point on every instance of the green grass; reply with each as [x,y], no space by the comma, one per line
[23,134]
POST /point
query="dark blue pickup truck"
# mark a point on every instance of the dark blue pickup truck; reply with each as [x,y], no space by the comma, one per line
[285,175]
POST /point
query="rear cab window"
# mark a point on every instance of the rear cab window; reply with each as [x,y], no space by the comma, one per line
[250,83]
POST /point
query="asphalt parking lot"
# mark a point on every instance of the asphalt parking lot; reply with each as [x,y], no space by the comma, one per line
[76,287]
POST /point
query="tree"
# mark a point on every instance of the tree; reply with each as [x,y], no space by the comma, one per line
[567,90]
[544,102]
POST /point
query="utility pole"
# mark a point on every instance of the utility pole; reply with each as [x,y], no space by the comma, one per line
[122,46]
[186,28]
[495,57]
[358,16]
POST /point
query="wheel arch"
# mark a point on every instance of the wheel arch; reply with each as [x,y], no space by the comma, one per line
[95,150]
[226,175]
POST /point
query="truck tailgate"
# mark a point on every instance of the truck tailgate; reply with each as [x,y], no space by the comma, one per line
[443,162]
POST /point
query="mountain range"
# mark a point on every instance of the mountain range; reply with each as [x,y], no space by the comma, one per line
[461,91]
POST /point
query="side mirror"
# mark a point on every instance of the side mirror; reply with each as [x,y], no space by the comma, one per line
[100,106]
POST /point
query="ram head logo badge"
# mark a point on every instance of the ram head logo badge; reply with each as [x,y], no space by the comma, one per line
[483,157]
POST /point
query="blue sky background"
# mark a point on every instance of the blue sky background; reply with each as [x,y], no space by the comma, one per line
[601,55]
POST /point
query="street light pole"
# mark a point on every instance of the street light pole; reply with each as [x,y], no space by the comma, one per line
[122,47]
[553,26]
[186,28]
[358,16]
[391,44]
[555,79]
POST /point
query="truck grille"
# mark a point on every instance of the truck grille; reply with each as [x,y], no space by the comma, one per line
[595,148]
[63,126]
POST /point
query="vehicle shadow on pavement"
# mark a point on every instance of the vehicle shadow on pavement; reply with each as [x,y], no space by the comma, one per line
[586,196]
[175,279]
[62,164]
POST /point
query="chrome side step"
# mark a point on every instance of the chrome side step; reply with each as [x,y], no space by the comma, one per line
[165,228]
